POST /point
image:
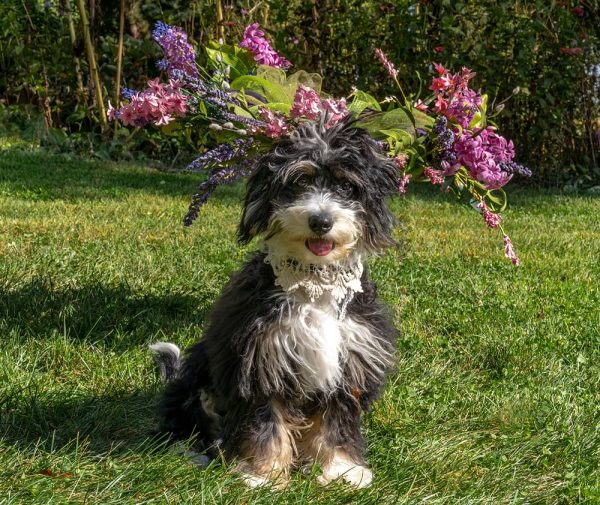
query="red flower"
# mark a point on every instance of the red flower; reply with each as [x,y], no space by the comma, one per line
[578,11]
[438,49]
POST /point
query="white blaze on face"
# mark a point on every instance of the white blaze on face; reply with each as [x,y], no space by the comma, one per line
[292,231]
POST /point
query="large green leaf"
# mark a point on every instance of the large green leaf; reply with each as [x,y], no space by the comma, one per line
[238,60]
[396,119]
[272,91]
[380,124]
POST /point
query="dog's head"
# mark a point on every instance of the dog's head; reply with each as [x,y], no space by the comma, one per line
[320,194]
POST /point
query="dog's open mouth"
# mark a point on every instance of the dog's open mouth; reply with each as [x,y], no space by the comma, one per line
[319,246]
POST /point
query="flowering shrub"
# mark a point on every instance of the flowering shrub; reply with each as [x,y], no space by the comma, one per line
[248,101]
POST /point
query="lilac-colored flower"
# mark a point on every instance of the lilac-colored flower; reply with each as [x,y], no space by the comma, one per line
[307,103]
[387,64]
[335,110]
[222,154]
[482,154]
[276,124]
[509,251]
[179,53]
[491,218]
[512,167]
[127,93]
[404,180]
[231,173]
[435,176]
[254,40]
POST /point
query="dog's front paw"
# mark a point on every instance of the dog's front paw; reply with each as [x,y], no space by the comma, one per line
[274,478]
[342,467]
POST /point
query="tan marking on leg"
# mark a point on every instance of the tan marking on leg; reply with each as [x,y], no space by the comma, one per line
[270,465]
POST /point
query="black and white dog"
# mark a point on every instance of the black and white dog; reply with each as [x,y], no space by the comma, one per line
[298,346]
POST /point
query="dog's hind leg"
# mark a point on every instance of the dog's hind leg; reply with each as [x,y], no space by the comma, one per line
[186,406]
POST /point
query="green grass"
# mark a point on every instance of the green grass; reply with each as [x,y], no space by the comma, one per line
[495,400]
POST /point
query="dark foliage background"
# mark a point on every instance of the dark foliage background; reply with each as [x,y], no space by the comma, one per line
[539,60]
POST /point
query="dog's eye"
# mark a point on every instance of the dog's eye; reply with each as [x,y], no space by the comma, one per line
[346,188]
[301,182]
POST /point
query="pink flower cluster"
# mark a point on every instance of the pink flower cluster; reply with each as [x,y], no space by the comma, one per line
[158,104]
[435,176]
[387,64]
[277,124]
[483,154]
[404,180]
[401,160]
[455,99]
[254,40]
[491,219]
[308,104]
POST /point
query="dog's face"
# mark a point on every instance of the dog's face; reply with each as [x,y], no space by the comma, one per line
[320,195]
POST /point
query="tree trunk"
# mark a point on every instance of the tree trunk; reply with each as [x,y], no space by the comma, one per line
[91,57]
[120,54]
[72,35]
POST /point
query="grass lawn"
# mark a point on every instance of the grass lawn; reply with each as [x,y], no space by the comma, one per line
[497,394]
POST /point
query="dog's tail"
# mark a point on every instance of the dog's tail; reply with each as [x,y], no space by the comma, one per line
[167,357]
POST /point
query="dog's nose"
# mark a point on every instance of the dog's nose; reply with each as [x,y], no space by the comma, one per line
[320,223]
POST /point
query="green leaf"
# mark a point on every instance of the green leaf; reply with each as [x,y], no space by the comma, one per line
[272,91]
[396,119]
[284,108]
[363,101]
[479,119]
[227,56]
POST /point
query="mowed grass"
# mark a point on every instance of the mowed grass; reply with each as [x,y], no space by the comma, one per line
[496,395]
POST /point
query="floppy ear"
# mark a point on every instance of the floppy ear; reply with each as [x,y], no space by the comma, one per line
[257,203]
[383,177]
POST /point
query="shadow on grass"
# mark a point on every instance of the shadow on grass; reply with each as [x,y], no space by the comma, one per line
[38,175]
[117,422]
[111,316]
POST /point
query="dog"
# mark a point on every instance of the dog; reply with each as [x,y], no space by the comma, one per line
[298,345]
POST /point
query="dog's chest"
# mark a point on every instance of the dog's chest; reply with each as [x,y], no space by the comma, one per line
[313,341]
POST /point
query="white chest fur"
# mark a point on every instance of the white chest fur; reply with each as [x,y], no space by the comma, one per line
[310,347]
[311,333]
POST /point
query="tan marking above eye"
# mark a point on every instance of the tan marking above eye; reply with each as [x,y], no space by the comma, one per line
[347,176]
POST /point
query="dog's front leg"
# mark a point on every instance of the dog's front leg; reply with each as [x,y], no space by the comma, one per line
[266,451]
[335,442]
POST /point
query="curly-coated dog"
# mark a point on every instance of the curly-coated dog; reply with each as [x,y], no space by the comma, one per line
[298,345]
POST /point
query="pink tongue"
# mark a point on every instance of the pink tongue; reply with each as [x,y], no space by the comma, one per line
[319,247]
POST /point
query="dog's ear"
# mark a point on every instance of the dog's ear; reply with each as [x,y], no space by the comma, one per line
[383,177]
[257,203]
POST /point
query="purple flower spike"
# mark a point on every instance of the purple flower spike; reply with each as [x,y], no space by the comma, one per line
[179,53]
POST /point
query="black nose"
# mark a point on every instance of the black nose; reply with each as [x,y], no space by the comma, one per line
[320,223]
